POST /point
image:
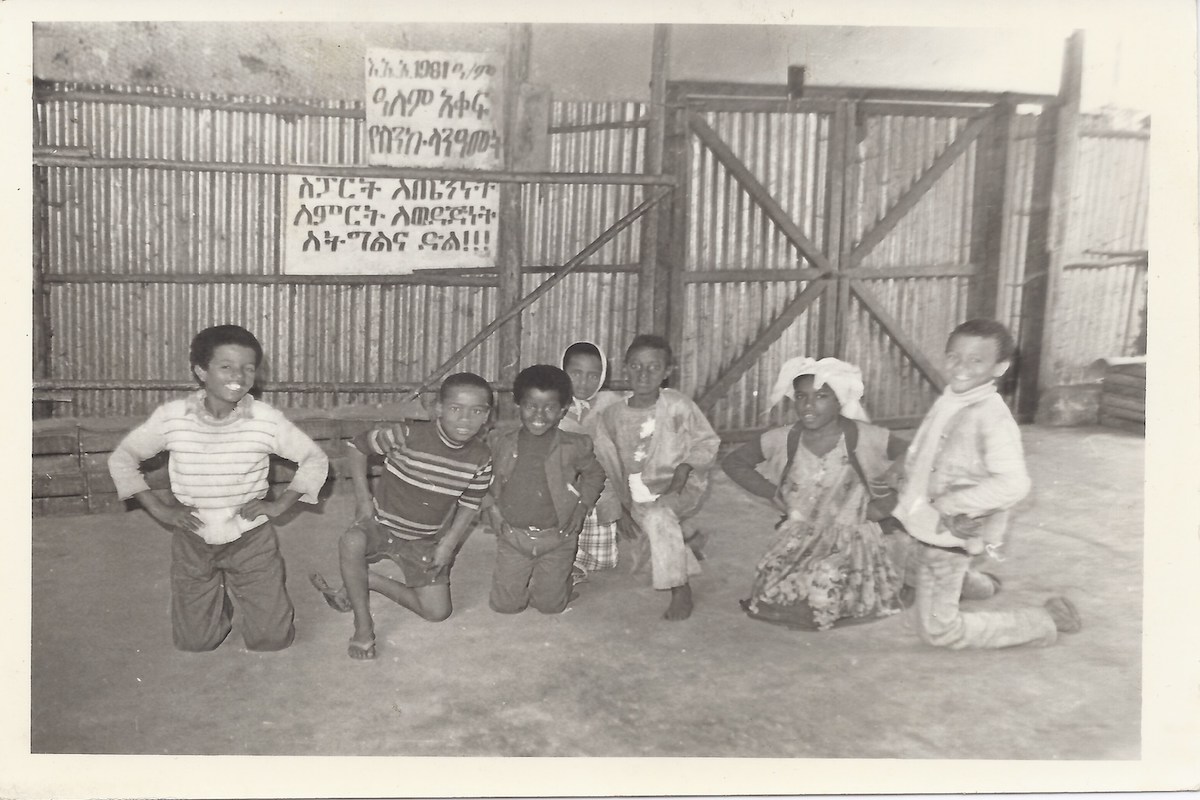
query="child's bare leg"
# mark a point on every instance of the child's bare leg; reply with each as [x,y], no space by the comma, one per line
[428,602]
[681,603]
[352,559]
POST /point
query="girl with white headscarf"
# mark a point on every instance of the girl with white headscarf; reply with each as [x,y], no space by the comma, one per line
[829,563]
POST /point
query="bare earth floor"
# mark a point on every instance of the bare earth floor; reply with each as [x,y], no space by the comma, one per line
[608,677]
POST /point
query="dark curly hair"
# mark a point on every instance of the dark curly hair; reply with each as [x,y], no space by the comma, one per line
[544,378]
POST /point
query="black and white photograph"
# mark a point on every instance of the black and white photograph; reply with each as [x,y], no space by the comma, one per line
[753,398]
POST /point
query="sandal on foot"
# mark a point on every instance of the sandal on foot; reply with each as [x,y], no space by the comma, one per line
[336,598]
[361,652]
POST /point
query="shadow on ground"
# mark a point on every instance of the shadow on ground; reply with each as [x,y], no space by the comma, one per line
[608,677]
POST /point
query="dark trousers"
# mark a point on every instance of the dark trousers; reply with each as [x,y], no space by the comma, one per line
[208,580]
[533,568]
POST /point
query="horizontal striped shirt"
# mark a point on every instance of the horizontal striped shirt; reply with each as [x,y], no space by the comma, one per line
[426,475]
[219,465]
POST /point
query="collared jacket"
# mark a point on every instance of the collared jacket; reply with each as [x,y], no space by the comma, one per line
[682,435]
[573,474]
[978,468]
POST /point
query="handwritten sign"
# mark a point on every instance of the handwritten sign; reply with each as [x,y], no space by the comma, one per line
[387,226]
[433,108]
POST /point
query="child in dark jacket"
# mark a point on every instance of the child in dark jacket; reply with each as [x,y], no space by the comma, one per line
[546,482]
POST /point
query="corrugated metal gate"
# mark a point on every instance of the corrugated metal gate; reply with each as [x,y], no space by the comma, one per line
[860,227]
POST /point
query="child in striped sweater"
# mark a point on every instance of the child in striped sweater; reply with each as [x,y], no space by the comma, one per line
[220,440]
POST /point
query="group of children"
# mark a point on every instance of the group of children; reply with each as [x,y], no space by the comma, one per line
[582,467]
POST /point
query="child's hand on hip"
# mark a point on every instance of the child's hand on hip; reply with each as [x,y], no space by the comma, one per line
[963,526]
[626,527]
[575,522]
[174,514]
[257,508]
[443,554]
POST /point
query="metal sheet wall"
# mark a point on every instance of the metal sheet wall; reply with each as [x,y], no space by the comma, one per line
[788,153]
[160,222]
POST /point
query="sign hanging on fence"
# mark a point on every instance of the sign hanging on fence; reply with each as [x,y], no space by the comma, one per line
[433,109]
[387,226]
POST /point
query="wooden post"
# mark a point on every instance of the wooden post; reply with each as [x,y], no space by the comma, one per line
[41,308]
[830,314]
[990,211]
[1053,203]
[654,308]
[674,246]
[510,251]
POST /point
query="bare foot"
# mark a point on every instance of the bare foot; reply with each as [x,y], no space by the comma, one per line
[361,649]
[681,603]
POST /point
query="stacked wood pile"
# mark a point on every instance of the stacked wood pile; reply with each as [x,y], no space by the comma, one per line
[1122,393]
[70,456]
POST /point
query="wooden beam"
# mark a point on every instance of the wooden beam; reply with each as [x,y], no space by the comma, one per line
[677,164]
[918,189]
[758,192]
[510,250]
[892,328]
[419,277]
[751,275]
[1066,154]
[604,238]
[858,93]
[990,212]
[836,176]
[648,318]
[355,171]
[714,391]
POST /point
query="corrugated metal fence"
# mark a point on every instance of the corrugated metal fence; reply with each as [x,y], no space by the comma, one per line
[136,260]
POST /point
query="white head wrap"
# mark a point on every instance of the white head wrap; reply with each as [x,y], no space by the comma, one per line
[585,402]
[844,379]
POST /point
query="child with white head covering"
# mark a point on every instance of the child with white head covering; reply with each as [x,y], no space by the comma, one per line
[829,564]
[587,366]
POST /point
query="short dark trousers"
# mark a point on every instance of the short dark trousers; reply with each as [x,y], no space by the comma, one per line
[413,556]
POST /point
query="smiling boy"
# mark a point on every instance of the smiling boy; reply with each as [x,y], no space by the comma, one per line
[547,481]
[435,475]
[220,440]
[964,470]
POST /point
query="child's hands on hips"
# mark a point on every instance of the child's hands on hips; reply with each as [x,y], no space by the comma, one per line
[963,526]
[443,554]
[575,522]
[172,513]
[257,508]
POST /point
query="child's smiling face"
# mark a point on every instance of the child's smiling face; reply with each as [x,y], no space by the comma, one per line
[815,408]
[463,411]
[541,410]
[972,361]
[228,376]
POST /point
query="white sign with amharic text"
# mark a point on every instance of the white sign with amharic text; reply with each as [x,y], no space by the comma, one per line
[387,226]
[433,109]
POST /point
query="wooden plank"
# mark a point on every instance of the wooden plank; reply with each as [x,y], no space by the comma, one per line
[55,443]
[1130,405]
[648,320]
[1125,379]
[836,177]
[58,484]
[1124,390]
[672,240]
[59,506]
[53,464]
[752,186]
[1110,421]
[858,93]
[751,275]
[420,278]
[108,503]
[714,391]
[320,429]
[893,329]
[912,271]
[991,209]
[354,171]
[510,250]
[914,193]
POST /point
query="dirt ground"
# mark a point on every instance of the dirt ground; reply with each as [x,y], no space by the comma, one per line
[608,677]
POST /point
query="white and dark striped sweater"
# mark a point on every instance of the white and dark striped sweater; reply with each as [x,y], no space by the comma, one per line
[219,465]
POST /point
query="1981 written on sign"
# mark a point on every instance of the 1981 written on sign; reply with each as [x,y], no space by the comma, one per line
[433,108]
[387,226]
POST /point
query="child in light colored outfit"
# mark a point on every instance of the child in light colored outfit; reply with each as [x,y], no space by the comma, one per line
[657,448]
[586,365]
[964,470]
[220,440]
[546,483]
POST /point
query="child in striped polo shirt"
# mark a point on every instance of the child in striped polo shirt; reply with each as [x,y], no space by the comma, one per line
[435,476]
[220,440]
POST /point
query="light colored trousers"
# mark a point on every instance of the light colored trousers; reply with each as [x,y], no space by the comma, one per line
[939,584]
[671,561]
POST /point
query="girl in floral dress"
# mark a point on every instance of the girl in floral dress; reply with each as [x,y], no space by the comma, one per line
[830,563]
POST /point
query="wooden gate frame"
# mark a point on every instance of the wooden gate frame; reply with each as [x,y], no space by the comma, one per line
[838,270]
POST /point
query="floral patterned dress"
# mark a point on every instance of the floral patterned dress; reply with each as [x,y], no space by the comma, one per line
[829,562]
